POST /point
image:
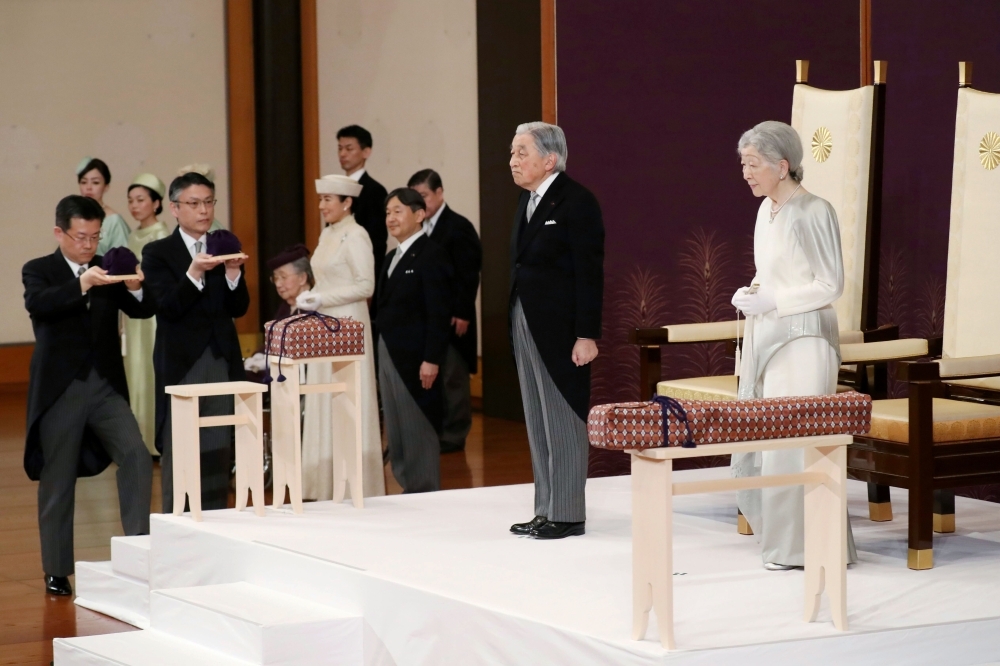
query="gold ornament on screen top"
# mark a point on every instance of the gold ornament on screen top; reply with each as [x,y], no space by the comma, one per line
[989,151]
[822,144]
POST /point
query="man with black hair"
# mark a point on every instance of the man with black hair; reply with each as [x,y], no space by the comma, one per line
[414,310]
[354,147]
[78,414]
[461,243]
[197,297]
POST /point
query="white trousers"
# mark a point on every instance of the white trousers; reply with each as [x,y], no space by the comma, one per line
[806,366]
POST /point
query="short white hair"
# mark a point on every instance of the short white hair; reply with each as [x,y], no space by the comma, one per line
[776,141]
[549,139]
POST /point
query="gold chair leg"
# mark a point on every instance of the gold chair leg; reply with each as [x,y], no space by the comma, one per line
[944,523]
[743,525]
[880,512]
[920,559]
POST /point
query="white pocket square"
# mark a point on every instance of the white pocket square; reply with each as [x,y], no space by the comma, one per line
[550,222]
[408,271]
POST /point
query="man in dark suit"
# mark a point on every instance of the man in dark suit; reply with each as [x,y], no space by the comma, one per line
[556,290]
[414,310]
[354,147]
[460,241]
[197,297]
[78,414]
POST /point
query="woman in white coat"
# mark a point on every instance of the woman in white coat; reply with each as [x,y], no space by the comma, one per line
[344,269]
[791,343]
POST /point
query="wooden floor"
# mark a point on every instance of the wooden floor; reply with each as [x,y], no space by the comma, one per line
[496,454]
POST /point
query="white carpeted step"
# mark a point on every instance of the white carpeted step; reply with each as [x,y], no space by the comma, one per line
[100,588]
[130,556]
[136,648]
[259,625]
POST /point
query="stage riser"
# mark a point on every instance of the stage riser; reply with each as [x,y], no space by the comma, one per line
[100,588]
[130,556]
[259,626]
[137,648]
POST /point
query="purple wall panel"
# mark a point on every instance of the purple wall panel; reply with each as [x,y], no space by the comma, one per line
[653,97]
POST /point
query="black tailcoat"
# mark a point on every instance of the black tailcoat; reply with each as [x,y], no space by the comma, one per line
[557,271]
[414,318]
[188,319]
[460,241]
[69,335]
[369,211]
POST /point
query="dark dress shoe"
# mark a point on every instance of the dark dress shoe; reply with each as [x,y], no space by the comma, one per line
[58,585]
[552,530]
[452,447]
[525,528]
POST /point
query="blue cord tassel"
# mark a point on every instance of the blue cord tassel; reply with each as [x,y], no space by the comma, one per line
[674,408]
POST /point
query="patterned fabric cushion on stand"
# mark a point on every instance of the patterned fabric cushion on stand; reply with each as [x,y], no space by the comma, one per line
[309,336]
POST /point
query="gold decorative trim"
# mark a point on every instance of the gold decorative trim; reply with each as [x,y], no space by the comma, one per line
[822,144]
[880,512]
[920,560]
[989,151]
[944,523]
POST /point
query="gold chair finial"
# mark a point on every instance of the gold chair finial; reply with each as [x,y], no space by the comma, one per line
[880,68]
[802,71]
[964,74]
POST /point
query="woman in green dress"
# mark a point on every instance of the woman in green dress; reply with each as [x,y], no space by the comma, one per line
[145,202]
[94,178]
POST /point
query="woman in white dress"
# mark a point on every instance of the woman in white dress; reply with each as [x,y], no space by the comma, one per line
[345,279]
[791,343]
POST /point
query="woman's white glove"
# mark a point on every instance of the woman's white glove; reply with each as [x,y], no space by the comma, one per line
[758,303]
[255,363]
[308,300]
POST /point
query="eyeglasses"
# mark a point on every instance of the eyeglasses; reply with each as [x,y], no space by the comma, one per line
[196,204]
[84,240]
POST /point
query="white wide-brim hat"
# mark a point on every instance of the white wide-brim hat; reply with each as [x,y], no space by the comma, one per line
[340,185]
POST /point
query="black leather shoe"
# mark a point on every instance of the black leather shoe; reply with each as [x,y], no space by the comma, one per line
[552,530]
[452,447]
[524,528]
[58,585]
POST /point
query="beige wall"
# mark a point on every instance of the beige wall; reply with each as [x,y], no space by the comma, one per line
[139,83]
[406,71]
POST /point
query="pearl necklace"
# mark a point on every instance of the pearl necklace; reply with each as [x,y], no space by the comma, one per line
[775,211]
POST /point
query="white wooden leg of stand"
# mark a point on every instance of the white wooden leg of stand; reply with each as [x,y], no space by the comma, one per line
[286,444]
[826,533]
[250,453]
[347,453]
[652,547]
[186,450]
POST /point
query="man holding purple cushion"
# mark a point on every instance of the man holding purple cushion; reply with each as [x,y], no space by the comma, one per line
[198,292]
[78,414]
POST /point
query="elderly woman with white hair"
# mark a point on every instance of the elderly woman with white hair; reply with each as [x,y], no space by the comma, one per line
[344,267]
[791,344]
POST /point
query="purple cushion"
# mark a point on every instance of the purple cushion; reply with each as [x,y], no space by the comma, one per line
[223,242]
[120,261]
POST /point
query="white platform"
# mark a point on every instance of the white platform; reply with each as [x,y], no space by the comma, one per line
[438,579]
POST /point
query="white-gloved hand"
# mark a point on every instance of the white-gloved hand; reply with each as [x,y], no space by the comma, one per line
[307,300]
[255,363]
[740,293]
[761,302]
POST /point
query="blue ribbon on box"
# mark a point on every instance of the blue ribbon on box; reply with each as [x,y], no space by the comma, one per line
[296,318]
[672,407]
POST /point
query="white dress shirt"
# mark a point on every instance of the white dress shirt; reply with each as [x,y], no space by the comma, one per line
[189,242]
[430,223]
[401,250]
[543,188]
[356,176]
[75,267]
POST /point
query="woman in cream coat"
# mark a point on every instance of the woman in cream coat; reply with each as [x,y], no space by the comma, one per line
[791,343]
[345,279]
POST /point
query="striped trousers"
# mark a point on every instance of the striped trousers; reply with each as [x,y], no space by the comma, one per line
[557,436]
[94,405]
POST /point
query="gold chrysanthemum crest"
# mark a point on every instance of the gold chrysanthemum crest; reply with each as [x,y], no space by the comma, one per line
[989,151]
[822,144]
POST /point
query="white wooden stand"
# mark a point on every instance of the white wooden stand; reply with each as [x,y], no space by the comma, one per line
[186,441]
[286,427]
[653,490]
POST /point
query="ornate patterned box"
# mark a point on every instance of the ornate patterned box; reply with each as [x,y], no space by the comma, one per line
[639,425]
[311,335]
